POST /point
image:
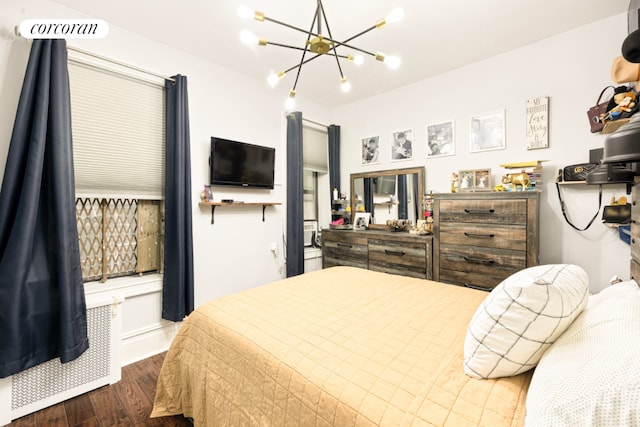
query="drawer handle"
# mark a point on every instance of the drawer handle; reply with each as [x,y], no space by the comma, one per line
[478,260]
[390,252]
[344,245]
[480,211]
[486,236]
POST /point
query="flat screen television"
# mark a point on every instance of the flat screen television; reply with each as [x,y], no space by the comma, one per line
[240,164]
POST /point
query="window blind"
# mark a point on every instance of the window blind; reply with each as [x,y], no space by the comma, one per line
[315,150]
[118,126]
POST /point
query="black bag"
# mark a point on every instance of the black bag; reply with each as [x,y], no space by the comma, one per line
[577,172]
[617,214]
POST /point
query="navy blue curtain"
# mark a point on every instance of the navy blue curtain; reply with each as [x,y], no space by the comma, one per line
[295,208]
[402,197]
[334,161]
[368,195]
[42,305]
[177,289]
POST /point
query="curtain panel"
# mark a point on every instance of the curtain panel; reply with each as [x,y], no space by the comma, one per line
[403,197]
[295,208]
[42,303]
[334,160]
[177,289]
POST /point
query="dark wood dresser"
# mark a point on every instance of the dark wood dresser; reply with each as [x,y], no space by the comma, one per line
[482,238]
[635,231]
[390,252]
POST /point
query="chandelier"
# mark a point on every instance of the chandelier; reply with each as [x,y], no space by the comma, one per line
[318,44]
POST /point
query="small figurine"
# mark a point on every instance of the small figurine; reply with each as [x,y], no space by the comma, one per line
[517,179]
[455,182]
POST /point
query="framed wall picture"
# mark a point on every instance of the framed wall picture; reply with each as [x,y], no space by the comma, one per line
[361,220]
[208,193]
[371,150]
[538,123]
[487,132]
[402,147]
[440,140]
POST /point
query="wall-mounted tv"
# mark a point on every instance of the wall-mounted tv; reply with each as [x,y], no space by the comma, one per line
[240,164]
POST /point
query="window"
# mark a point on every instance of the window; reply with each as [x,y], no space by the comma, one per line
[315,169]
[118,125]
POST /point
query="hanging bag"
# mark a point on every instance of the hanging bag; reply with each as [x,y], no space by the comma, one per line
[596,112]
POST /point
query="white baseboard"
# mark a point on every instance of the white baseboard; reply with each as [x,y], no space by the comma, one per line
[148,341]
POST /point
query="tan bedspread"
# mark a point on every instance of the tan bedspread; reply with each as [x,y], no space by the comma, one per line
[336,347]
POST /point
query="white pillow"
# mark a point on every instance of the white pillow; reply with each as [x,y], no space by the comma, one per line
[591,375]
[621,288]
[522,317]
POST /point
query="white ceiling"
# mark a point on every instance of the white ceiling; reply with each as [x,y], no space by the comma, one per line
[433,37]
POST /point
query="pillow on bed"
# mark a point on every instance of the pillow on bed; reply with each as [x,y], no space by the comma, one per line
[521,317]
[591,374]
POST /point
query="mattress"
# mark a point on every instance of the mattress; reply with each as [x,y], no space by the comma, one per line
[336,347]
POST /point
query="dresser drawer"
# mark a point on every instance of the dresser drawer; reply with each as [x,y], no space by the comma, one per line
[513,237]
[492,211]
[483,267]
[635,270]
[408,259]
[635,240]
[336,253]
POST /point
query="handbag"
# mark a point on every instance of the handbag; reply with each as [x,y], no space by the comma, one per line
[617,214]
[577,172]
[597,112]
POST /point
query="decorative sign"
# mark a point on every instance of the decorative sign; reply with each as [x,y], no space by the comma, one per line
[538,123]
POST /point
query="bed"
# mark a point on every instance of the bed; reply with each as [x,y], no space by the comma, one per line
[348,347]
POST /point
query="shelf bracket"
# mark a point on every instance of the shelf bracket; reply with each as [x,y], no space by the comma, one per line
[213,210]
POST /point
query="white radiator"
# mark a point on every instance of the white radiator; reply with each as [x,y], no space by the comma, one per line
[53,382]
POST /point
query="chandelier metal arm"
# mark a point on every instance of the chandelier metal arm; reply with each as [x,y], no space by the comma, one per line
[298,48]
[335,52]
[293,27]
[301,64]
[316,17]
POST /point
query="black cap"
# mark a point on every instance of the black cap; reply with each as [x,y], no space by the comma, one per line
[631,47]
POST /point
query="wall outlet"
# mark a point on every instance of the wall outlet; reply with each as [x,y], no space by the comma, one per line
[274,248]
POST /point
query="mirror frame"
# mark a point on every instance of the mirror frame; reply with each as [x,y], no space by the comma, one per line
[420,170]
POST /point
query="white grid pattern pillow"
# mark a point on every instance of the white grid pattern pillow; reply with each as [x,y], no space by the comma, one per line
[522,317]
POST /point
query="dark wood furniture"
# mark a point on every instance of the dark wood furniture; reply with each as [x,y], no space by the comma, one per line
[635,231]
[386,251]
[482,238]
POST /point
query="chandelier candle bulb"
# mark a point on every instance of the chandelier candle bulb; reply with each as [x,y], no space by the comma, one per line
[345,85]
[244,12]
[396,15]
[247,37]
[393,62]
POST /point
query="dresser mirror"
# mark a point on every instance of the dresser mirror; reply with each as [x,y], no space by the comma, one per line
[388,194]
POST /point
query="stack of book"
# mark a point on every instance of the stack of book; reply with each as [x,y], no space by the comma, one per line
[533,169]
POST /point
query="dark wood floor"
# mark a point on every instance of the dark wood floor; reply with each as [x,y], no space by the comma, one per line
[126,403]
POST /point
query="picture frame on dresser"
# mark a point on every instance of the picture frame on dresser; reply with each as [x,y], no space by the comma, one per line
[482,180]
[361,221]
[475,180]
[466,178]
